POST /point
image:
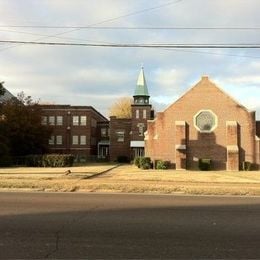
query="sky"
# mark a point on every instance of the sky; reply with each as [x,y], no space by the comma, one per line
[98,76]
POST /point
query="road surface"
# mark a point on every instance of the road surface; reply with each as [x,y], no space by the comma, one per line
[119,226]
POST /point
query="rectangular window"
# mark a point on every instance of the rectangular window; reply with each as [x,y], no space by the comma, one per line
[59,139]
[75,120]
[120,136]
[51,140]
[103,132]
[144,113]
[59,120]
[82,139]
[51,120]
[83,120]
[140,127]
[44,120]
[141,130]
[137,114]
[75,139]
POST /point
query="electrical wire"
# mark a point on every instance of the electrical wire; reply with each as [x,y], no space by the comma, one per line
[127,27]
[144,45]
[107,20]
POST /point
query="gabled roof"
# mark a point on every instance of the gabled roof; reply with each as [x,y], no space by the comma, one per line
[141,86]
[212,84]
[7,96]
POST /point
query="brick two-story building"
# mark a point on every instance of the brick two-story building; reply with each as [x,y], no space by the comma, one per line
[75,129]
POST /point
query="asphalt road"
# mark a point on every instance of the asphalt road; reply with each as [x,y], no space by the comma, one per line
[90,226]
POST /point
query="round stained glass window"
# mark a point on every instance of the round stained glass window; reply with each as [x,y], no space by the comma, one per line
[205,121]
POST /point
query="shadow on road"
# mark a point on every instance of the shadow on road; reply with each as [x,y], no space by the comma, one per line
[104,227]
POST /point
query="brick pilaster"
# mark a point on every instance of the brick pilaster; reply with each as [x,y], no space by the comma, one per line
[180,147]
[232,146]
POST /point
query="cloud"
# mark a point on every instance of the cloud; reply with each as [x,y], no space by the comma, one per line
[97,76]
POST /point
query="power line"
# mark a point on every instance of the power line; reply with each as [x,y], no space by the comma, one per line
[213,53]
[108,20]
[58,37]
[89,27]
[144,45]
[179,50]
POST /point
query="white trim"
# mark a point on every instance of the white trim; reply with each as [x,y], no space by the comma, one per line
[205,131]
[183,123]
[180,147]
[232,148]
[137,144]
[104,143]
[231,123]
[83,148]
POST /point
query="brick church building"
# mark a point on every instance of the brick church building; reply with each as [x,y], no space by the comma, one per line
[205,123]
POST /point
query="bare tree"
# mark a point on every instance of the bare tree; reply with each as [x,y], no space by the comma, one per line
[121,108]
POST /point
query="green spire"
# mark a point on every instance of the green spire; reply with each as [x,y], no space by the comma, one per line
[141,87]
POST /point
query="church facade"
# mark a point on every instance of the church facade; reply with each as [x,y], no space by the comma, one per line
[205,123]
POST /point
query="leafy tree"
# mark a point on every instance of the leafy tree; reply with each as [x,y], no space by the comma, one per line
[21,126]
[121,108]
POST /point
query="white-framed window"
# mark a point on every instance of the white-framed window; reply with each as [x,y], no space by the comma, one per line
[75,139]
[44,120]
[59,139]
[205,121]
[75,120]
[140,129]
[59,120]
[51,140]
[144,113]
[51,120]
[120,136]
[83,120]
[103,132]
[137,113]
[83,139]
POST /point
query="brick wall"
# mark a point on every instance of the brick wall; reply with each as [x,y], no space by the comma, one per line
[205,95]
[141,120]
[67,129]
[119,148]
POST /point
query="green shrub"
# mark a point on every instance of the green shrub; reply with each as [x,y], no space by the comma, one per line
[49,160]
[122,159]
[145,163]
[162,165]
[204,164]
[137,162]
[246,166]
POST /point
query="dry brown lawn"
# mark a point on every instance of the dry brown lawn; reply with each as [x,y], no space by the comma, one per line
[127,178]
